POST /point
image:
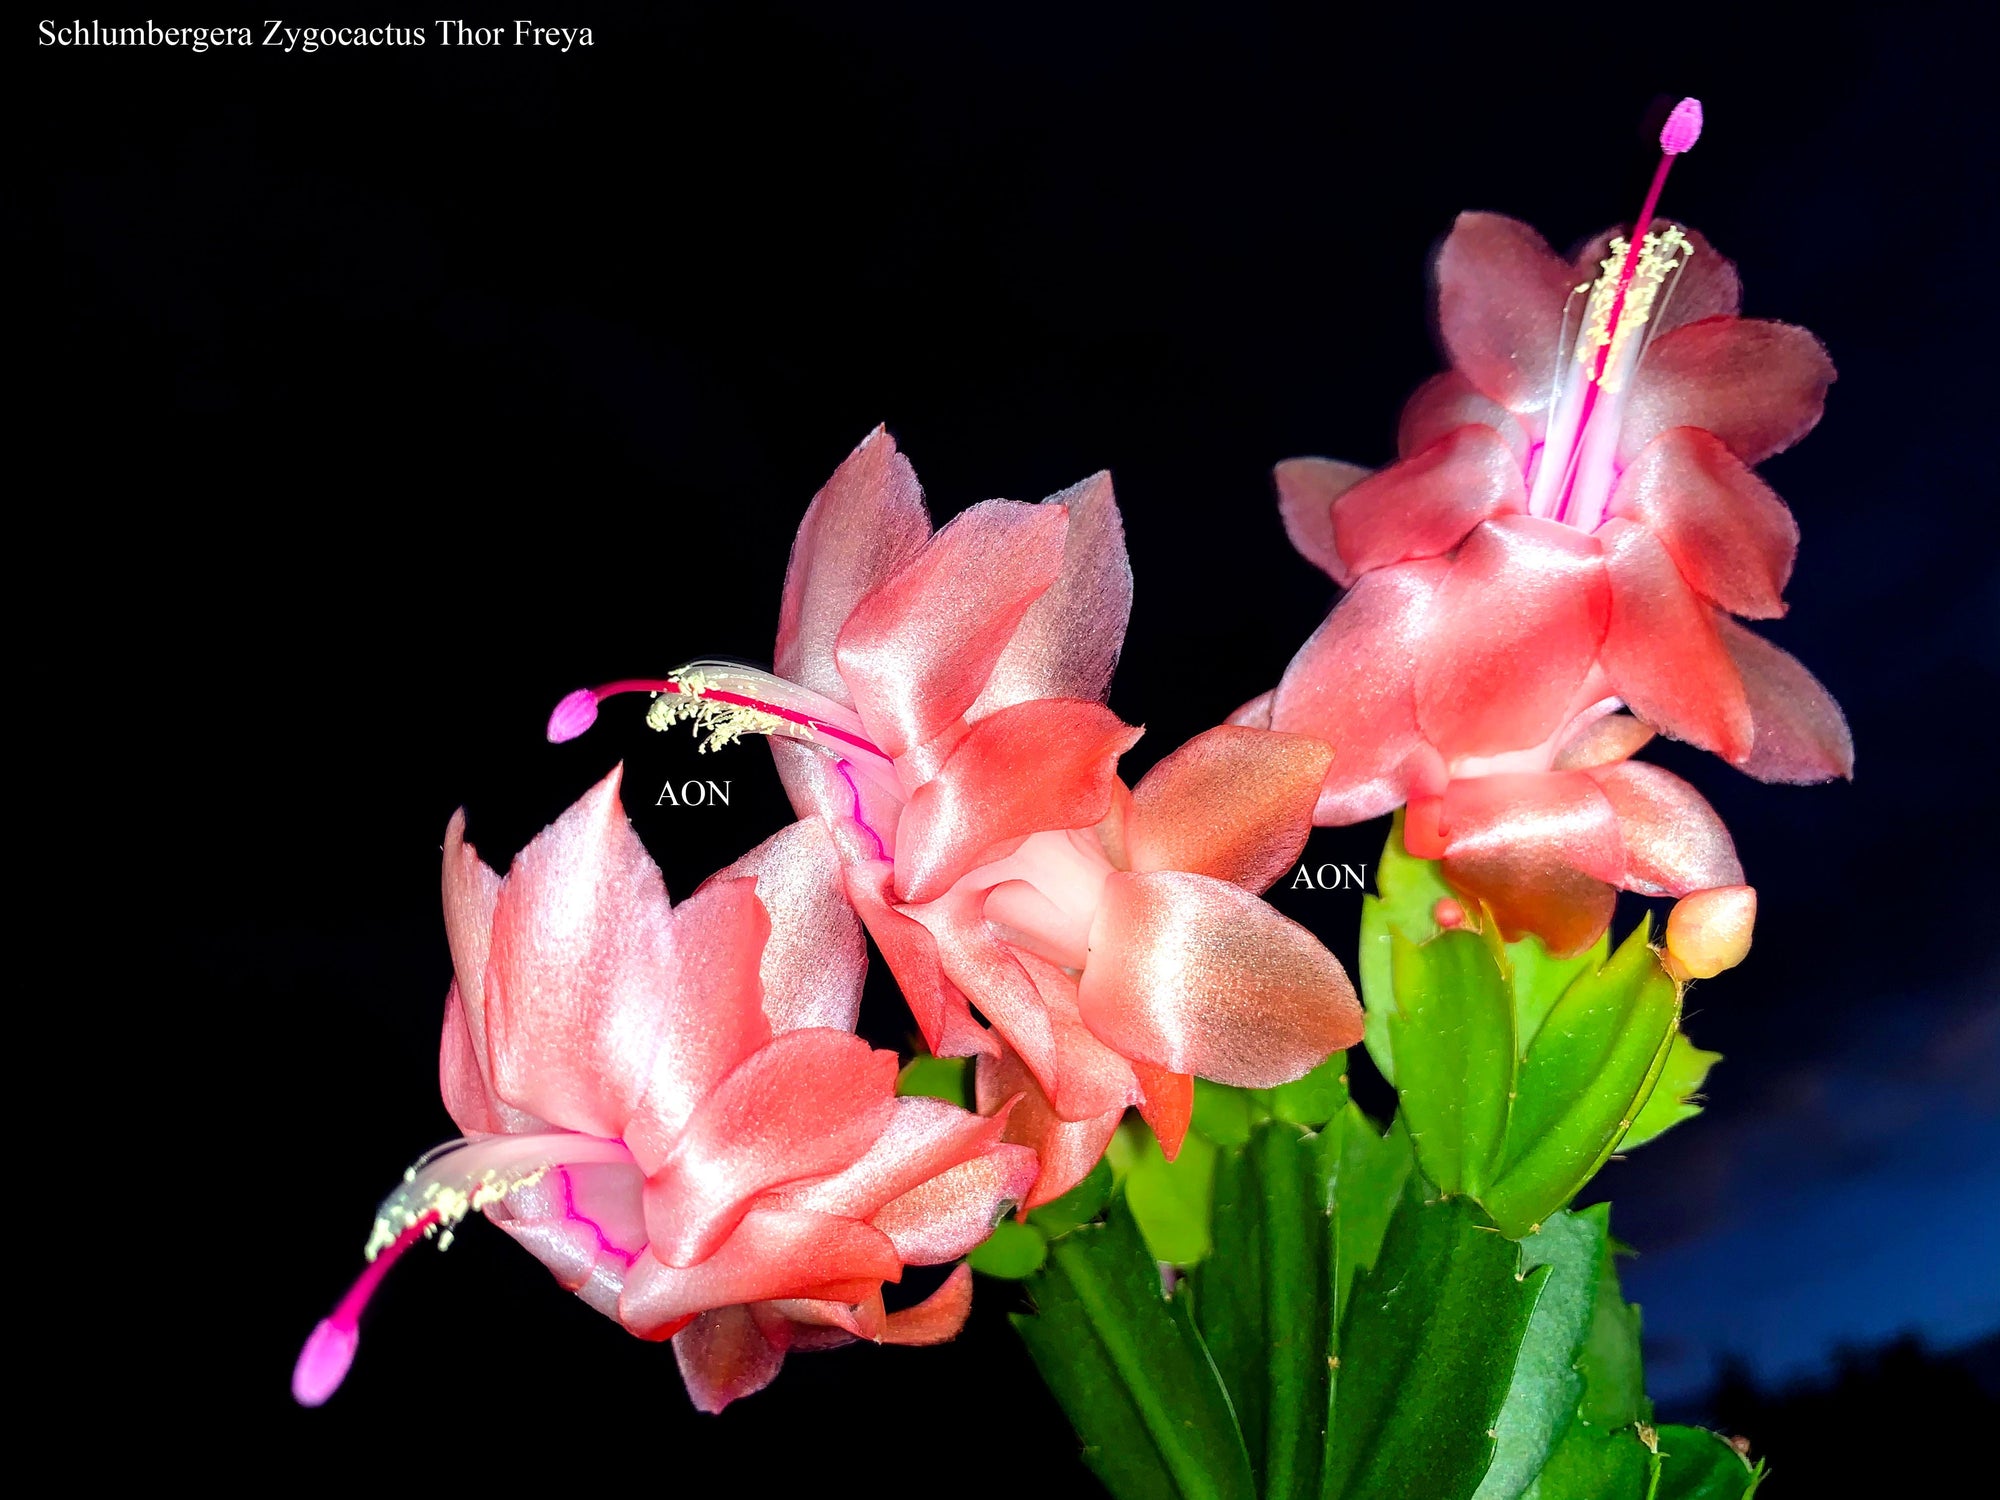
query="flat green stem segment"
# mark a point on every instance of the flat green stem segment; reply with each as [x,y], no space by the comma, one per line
[1229,1299]
[1695,1464]
[1131,1371]
[1453,1034]
[1410,891]
[1427,1353]
[1365,1173]
[1298,1308]
[1593,1464]
[946,1078]
[1591,1068]
[1169,1199]
[1012,1252]
[1538,980]
[1614,1377]
[1684,1463]
[1548,1381]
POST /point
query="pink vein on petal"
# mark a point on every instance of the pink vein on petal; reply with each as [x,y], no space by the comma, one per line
[570,1211]
[847,775]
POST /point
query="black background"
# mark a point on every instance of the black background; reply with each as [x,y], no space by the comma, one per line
[379,398]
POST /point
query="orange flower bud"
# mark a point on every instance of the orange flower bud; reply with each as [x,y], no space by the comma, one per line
[1710,931]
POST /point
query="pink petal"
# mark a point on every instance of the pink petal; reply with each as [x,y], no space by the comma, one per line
[1501,294]
[1068,642]
[938,1318]
[716,1020]
[1447,402]
[861,813]
[1090,1078]
[1674,842]
[918,650]
[810,1102]
[865,524]
[1799,733]
[923,1138]
[586,1223]
[1351,685]
[1732,538]
[583,981]
[1196,975]
[1706,286]
[1307,488]
[1542,851]
[990,975]
[1256,714]
[815,959]
[772,1253]
[1168,1105]
[1233,803]
[471,890]
[936,1004]
[468,1099]
[1065,1149]
[949,1215]
[815,1323]
[1612,737]
[1045,764]
[1423,506]
[1662,652]
[1757,386]
[1515,630]
[724,1356]
[1423,827]
[1558,814]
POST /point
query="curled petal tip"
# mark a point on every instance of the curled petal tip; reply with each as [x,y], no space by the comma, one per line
[324,1361]
[1710,931]
[1683,127]
[576,713]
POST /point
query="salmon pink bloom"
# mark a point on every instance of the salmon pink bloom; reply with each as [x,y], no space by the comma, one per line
[668,1107]
[1574,518]
[938,704]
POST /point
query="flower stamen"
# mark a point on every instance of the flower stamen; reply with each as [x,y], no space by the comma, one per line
[437,1192]
[725,701]
[1619,308]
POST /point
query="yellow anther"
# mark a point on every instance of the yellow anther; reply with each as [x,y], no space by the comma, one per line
[721,723]
[1659,256]
[448,1203]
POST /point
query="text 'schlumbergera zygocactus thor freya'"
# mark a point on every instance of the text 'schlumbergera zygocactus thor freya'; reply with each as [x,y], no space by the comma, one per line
[1134,1100]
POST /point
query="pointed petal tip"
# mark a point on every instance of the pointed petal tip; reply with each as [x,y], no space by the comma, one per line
[324,1362]
[571,717]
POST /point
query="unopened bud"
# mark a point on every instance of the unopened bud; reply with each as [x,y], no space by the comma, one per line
[1710,931]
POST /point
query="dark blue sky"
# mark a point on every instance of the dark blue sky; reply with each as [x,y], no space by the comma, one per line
[477,377]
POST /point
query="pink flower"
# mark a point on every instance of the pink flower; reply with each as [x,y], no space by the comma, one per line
[938,704]
[668,1107]
[1574,519]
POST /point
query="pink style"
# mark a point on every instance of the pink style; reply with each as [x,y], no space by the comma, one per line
[668,1107]
[937,703]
